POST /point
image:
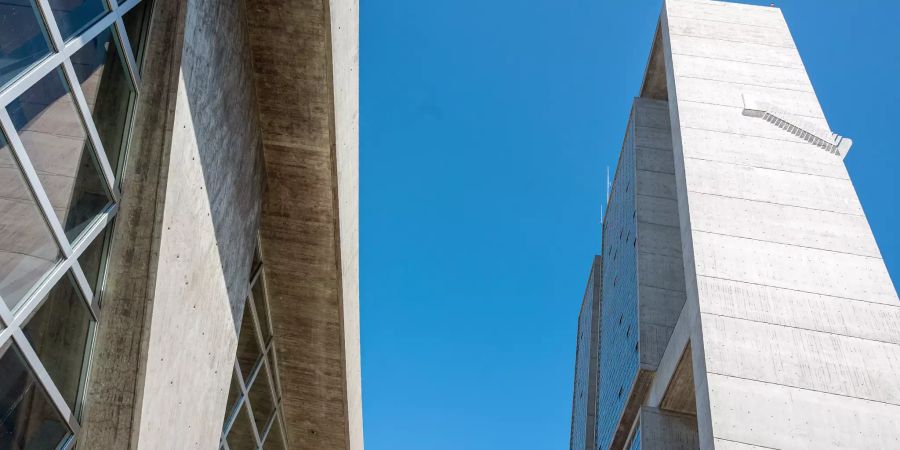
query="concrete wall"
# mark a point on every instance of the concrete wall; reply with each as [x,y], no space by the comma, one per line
[181,257]
[208,232]
[660,271]
[662,430]
[344,16]
[797,314]
[306,59]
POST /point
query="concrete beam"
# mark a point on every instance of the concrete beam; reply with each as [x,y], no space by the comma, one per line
[306,62]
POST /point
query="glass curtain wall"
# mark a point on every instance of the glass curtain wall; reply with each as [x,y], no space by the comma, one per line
[69,79]
[619,321]
[253,419]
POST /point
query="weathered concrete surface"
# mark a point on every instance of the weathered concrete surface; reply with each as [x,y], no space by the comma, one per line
[664,430]
[679,395]
[584,396]
[187,228]
[795,342]
[115,384]
[192,206]
[660,272]
[309,225]
[344,15]
[208,233]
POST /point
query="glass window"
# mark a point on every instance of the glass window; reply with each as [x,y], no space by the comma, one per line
[91,260]
[54,138]
[27,248]
[262,310]
[241,435]
[59,333]
[263,390]
[275,439]
[107,89]
[274,368]
[27,418]
[136,23]
[261,400]
[233,393]
[248,351]
[23,40]
[73,16]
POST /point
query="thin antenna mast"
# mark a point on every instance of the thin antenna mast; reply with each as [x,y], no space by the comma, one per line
[607,185]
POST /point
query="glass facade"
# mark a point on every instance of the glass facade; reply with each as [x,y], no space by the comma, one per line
[619,359]
[24,39]
[253,418]
[68,84]
[583,361]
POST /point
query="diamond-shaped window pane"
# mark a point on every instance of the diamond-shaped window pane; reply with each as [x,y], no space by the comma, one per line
[91,260]
[261,400]
[27,248]
[262,308]
[248,351]
[24,40]
[60,333]
[107,89]
[136,23]
[233,393]
[28,419]
[241,435]
[54,138]
[275,439]
[73,16]
[274,369]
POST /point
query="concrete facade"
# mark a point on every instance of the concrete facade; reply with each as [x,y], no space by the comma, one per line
[782,326]
[643,288]
[210,170]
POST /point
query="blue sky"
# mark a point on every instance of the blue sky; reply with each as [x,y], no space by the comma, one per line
[486,130]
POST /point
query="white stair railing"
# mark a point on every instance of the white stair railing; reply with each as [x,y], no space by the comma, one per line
[824,139]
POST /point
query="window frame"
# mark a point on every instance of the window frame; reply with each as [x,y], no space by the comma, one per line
[13,320]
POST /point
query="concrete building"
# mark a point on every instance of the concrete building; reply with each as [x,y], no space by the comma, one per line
[584,397]
[179,226]
[745,303]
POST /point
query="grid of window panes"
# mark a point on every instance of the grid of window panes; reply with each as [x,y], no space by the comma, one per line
[619,318]
[583,368]
[254,419]
[68,83]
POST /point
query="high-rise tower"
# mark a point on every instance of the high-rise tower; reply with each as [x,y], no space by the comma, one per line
[751,307]
[584,396]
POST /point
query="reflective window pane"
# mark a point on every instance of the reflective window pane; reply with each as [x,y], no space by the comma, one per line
[73,16]
[275,440]
[107,89]
[91,260]
[262,309]
[54,138]
[241,435]
[59,332]
[23,40]
[261,399]
[27,418]
[27,248]
[248,351]
[137,22]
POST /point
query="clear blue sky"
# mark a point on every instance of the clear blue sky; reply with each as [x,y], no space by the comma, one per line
[486,129]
